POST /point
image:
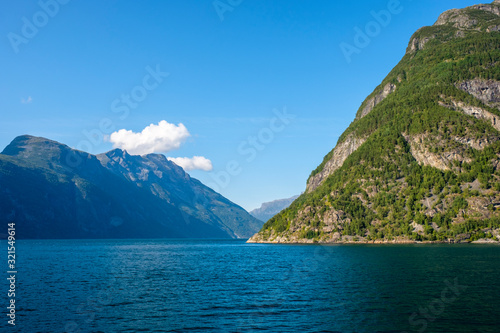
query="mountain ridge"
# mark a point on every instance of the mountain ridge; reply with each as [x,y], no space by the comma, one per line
[53,191]
[268,209]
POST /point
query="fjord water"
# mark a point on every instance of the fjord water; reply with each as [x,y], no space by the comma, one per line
[230,286]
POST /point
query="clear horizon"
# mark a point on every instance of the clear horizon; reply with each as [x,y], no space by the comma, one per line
[250,95]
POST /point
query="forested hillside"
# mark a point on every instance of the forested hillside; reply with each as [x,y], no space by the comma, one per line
[421,161]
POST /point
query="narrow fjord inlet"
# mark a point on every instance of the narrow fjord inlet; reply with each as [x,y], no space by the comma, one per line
[117,218]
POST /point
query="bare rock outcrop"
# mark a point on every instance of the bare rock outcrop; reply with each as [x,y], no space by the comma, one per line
[489,7]
[421,153]
[478,144]
[487,91]
[418,43]
[474,111]
[334,219]
[458,17]
[340,154]
[493,28]
[374,101]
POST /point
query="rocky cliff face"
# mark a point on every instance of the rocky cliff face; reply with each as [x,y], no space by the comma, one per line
[377,99]
[337,159]
[422,147]
[421,160]
[487,91]
[52,191]
[474,111]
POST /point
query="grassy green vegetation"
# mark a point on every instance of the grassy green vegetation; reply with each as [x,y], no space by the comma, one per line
[381,188]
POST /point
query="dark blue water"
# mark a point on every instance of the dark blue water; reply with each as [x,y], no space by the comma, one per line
[230,286]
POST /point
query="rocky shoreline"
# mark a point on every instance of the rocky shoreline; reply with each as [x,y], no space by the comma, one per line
[377,242]
[257,239]
[337,238]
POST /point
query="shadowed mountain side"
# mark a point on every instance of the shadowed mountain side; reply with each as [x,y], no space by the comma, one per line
[52,191]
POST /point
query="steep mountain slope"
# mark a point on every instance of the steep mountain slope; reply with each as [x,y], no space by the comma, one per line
[421,161]
[167,181]
[269,209]
[53,191]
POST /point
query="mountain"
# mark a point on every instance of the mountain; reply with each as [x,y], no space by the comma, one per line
[52,191]
[269,209]
[421,160]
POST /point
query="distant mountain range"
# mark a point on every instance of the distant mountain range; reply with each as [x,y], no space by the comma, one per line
[269,209]
[52,191]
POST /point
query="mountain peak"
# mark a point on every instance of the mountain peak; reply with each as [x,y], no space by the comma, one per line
[22,142]
[156,157]
[114,154]
[458,23]
[465,18]
[122,157]
[35,148]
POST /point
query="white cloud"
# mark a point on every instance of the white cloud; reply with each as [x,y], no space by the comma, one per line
[160,138]
[27,101]
[195,163]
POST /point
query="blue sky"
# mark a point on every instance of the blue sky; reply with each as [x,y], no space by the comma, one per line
[231,69]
